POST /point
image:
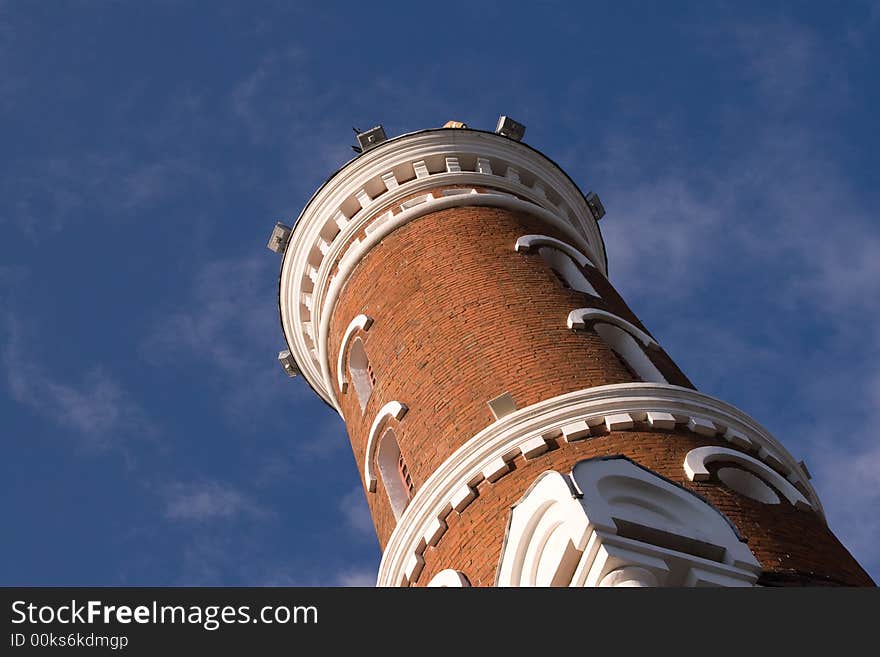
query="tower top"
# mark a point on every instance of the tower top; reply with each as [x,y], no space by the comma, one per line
[394,181]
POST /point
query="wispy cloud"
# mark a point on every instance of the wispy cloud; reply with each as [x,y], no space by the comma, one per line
[781,59]
[357,578]
[205,501]
[849,478]
[42,195]
[97,408]
[764,264]
[356,513]
[227,324]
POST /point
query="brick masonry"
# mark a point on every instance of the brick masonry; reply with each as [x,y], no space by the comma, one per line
[459,318]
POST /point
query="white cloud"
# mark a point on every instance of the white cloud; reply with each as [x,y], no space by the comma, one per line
[97,408]
[847,476]
[227,325]
[208,500]
[356,513]
[357,578]
[41,195]
[781,58]
[763,265]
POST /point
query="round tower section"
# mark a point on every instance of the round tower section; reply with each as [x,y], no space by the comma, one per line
[513,421]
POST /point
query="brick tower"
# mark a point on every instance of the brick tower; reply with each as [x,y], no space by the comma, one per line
[514,423]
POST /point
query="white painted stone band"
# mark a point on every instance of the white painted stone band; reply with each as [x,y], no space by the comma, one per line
[599,409]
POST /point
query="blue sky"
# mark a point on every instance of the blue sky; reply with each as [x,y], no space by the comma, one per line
[149,435]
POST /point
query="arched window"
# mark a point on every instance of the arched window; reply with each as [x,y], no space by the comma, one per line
[361,373]
[629,352]
[566,270]
[394,473]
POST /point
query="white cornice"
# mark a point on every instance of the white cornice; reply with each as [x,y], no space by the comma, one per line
[602,408]
[359,194]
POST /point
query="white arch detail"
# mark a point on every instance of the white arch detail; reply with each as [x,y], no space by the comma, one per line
[393,409]
[359,323]
[579,318]
[614,523]
[695,468]
[449,578]
[529,242]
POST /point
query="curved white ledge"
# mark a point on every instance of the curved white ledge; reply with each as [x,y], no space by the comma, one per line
[449,578]
[581,316]
[359,323]
[695,468]
[573,416]
[528,242]
[359,196]
[393,409]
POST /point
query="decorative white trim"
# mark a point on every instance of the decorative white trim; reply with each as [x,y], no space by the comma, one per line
[450,578]
[572,414]
[359,323]
[530,242]
[629,576]
[393,409]
[601,526]
[695,468]
[381,179]
[660,420]
[580,317]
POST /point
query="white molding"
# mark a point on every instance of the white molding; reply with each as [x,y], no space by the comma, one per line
[695,468]
[630,577]
[449,485]
[381,178]
[578,319]
[362,323]
[393,409]
[530,242]
[606,533]
[449,578]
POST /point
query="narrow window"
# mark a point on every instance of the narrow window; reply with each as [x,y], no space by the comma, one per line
[630,353]
[566,270]
[361,372]
[395,475]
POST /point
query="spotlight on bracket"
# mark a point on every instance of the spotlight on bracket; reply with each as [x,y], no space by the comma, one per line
[507,127]
[595,205]
[279,237]
[288,363]
[370,138]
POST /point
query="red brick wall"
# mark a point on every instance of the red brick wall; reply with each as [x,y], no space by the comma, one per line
[459,318]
